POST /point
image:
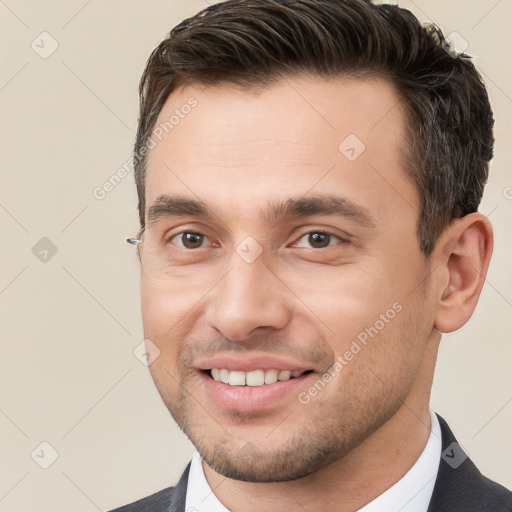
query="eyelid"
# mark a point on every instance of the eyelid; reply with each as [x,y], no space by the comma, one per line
[188,227]
[180,225]
[343,237]
[302,231]
[169,238]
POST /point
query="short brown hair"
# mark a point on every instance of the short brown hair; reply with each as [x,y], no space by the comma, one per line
[252,43]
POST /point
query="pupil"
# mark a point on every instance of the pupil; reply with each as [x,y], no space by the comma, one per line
[319,240]
[192,240]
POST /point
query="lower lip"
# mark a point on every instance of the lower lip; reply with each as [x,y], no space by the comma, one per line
[252,398]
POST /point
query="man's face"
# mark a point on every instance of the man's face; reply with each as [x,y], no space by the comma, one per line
[278,246]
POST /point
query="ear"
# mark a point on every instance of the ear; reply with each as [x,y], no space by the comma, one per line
[463,252]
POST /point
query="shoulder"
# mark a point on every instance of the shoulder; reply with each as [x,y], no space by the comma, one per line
[460,486]
[170,499]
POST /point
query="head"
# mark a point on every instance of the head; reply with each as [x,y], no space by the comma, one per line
[309,174]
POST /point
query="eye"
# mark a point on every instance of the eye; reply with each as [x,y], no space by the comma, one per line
[317,240]
[189,240]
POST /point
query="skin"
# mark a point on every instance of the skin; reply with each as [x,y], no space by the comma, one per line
[236,152]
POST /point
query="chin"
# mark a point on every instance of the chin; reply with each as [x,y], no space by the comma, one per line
[290,460]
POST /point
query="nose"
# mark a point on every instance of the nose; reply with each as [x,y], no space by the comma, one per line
[250,299]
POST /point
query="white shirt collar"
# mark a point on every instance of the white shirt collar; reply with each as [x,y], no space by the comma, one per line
[200,497]
[412,493]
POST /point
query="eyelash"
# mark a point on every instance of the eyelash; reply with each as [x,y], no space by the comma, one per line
[322,232]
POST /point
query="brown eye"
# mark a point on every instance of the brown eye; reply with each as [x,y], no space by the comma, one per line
[189,240]
[317,240]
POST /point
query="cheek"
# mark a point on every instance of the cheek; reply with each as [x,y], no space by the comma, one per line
[348,300]
[165,323]
[379,307]
[154,310]
[168,308]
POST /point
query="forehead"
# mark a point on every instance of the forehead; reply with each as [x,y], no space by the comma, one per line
[301,134]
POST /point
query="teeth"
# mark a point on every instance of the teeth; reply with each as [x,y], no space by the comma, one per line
[223,376]
[252,378]
[255,378]
[236,379]
[284,375]
[271,376]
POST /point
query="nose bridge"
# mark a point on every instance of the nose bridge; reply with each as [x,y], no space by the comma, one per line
[249,297]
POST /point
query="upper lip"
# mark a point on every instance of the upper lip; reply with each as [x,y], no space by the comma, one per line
[252,362]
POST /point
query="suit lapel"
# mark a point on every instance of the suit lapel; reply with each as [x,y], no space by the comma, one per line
[459,487]
[179,495]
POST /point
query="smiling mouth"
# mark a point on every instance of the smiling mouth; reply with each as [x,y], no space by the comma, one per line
[253,378]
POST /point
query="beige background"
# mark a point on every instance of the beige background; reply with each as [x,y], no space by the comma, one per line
[70,324]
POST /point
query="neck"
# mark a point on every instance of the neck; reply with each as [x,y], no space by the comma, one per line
[364,473]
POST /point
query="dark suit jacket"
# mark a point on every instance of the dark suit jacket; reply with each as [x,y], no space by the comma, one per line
[459,487]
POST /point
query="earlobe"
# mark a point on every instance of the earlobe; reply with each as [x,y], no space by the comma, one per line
[464,252]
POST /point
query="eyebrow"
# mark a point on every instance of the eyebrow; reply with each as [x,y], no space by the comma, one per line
[320,205]
[167,206]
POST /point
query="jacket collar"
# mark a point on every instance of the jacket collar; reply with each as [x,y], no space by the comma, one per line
[179,496]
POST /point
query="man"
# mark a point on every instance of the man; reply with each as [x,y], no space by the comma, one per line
[309,174]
